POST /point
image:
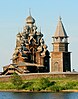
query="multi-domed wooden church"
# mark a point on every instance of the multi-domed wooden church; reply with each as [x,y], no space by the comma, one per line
[31,54]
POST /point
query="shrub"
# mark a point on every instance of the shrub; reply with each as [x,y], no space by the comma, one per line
[16,81]
[26,85]
[44,83]
[55,88]
[70,85]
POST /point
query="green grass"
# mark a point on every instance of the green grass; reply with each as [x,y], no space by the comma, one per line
[49,84]
[7,85]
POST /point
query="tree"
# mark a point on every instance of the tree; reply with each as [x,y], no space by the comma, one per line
[16,80]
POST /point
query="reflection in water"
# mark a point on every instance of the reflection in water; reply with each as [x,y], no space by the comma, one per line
[12,95]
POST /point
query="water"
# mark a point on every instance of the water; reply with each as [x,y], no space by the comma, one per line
[12,95]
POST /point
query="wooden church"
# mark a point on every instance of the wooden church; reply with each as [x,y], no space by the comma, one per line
[30,54]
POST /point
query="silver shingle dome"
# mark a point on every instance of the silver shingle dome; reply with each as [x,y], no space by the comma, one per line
[30,19]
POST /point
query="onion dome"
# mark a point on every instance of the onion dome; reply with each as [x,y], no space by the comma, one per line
[26,28]
[19,35]
[39,48]
[39,34]
[45,46]
[30,20]
[42,40]
[34,27]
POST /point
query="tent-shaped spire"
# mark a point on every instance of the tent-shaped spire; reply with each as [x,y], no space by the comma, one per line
[60,31]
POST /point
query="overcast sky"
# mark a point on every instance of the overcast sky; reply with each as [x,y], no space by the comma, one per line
[13,14]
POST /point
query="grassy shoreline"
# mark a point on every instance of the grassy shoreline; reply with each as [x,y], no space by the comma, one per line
[42,85]
[42,91]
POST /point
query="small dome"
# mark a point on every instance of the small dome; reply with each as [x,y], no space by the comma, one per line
[39,34]
[42,40]
[45,46]
[34,27]
[30,19]
[18,35]
[39,48]
[26,28]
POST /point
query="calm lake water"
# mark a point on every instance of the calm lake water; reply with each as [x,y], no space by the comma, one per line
[12,95]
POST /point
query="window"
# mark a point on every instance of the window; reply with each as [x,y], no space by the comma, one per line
[56,66]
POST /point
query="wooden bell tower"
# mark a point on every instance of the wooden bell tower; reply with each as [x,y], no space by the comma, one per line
[60,57]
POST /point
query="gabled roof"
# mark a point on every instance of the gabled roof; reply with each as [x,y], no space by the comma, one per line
[60,31]
[10,69]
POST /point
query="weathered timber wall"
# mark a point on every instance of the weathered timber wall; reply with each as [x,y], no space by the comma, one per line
[74,75]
